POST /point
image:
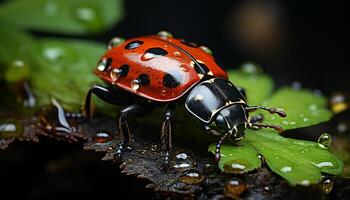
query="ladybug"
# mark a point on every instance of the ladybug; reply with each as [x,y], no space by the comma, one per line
[153,71]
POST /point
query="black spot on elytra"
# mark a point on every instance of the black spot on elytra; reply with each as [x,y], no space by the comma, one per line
[172,80]
[201,68]
[144,79]
[125,70]
[133,44]
[190,44]
[157,51]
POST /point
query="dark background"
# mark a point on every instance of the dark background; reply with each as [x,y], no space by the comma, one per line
[291,40]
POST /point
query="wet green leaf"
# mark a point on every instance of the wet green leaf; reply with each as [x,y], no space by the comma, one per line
[298,161]
[303,108]
[72,17]
[237,159]
[67,72]
[258,86]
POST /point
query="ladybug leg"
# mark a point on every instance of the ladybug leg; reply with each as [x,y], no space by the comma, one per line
[132,111]
[165,137]
[103,93]
[209,130]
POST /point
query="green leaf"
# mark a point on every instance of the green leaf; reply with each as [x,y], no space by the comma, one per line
[298,161]
[70,17]
[67,72]
[303,108]
[237,159]
[258,86]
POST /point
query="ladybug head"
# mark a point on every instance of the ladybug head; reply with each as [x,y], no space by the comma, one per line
[232,120]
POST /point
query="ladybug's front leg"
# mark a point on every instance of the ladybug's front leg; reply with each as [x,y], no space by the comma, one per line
[132,111]
[103,93]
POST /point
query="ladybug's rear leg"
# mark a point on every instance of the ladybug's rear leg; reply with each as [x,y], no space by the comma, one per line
[165,137]
[132,111]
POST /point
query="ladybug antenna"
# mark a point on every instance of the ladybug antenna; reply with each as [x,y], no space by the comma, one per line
[270,110]
[272,126]
[218,146]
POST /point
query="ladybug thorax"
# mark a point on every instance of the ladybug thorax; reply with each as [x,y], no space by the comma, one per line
[156,67]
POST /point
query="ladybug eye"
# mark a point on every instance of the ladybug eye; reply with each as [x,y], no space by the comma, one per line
[221,122]
[116,41]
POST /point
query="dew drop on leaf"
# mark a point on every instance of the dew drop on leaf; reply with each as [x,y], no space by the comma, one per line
[236,166]
[324,141]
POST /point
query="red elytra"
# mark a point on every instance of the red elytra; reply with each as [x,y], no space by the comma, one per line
[170,66]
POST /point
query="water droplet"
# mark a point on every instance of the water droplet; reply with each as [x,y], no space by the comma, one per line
[305,119]
[324,141]
[17,71]
[324,164]
[236,166]
[147,56]
[180,187]
[234,187]
[339,102]
[343,127]
[165,34]
[250,68]
[286,169]
[101,66]
[50,8]
[296,86]
[305,182]
[267,188]
[206,49]
[177,54]
[327,185]
[102,137]
[53,53]
[135,84]
[10,129]
[114,42]
[89,16]
[182,159]
[184,68]
[209,169]
[163,93]
[191,176]
[115,74]
[312,107]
